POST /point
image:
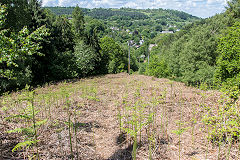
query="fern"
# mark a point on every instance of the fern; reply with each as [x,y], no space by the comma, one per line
[19,116]
[29,131]
[39,123]
[25,144]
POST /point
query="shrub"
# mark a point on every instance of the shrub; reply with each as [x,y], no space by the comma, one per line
[157,67]
[86,59]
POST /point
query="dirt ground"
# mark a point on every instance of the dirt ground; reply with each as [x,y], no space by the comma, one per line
[98,134]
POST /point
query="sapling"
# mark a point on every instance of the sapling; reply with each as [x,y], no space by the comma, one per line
[238,138]
[135,124]
[150,141]
[230,140]
[179,132]
[134,127]
[219,147]
[207,120]
[58,131]
[141,116]
[119,117]
[171,84]
[48,101]
[65,96]
[30,115]
[194,121]
[155,102]
[150,133]
[75,128]
[69,124]
[163,97]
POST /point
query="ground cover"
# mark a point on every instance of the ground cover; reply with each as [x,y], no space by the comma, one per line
[118,117]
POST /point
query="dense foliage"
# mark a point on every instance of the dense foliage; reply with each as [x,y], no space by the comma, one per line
[42,46]
[17,50]
[38,46]
[116,59]
[191,53]
[229,58]
[206,51]
[227,70]
[121,23]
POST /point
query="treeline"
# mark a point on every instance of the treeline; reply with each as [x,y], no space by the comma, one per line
[205,52]
[65,10]
[101,13]
[132,18]
[38,46]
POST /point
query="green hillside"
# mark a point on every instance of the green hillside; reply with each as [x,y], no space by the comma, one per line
[152,19]
[204,52]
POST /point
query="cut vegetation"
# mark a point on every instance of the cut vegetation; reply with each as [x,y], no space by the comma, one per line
[119,117]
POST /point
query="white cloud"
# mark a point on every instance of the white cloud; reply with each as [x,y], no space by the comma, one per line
[202,8]
[132,5]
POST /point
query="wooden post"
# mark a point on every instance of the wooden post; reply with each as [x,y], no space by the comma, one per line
[148,55]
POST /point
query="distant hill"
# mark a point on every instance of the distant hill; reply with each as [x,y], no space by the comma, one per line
[102,13]
[153,21]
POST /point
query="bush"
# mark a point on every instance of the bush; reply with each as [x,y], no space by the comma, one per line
[86,59]
[114,57]
[142,68]
[228,69]
[63,66]
[157,67]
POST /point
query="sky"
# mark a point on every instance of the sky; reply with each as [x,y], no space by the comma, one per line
[200,8]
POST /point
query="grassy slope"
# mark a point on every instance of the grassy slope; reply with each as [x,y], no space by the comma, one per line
[96,101]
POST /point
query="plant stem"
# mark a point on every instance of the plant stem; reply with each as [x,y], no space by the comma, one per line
[34,121]
[75,132]
[219,148]
[69,129]
[179,138]
[150,150]
[135,146]
[207,143]
[229,149]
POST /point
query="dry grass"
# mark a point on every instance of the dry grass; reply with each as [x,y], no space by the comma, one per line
[97,122]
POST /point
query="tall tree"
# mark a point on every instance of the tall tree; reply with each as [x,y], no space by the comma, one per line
[17,50]
[78,22]
[18,15]
[38,16]
[234,8]
[228,68]
[62,34]
[114,58]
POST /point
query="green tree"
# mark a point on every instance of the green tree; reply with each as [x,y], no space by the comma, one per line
[158,28]
[62,34]
[191,53]
[86,59]
[78,22]
[233,8]
[228,69]
[18,15]
[94,30]
[17,50]
[38,16]
[95,25]
[113,57]
[157,67]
